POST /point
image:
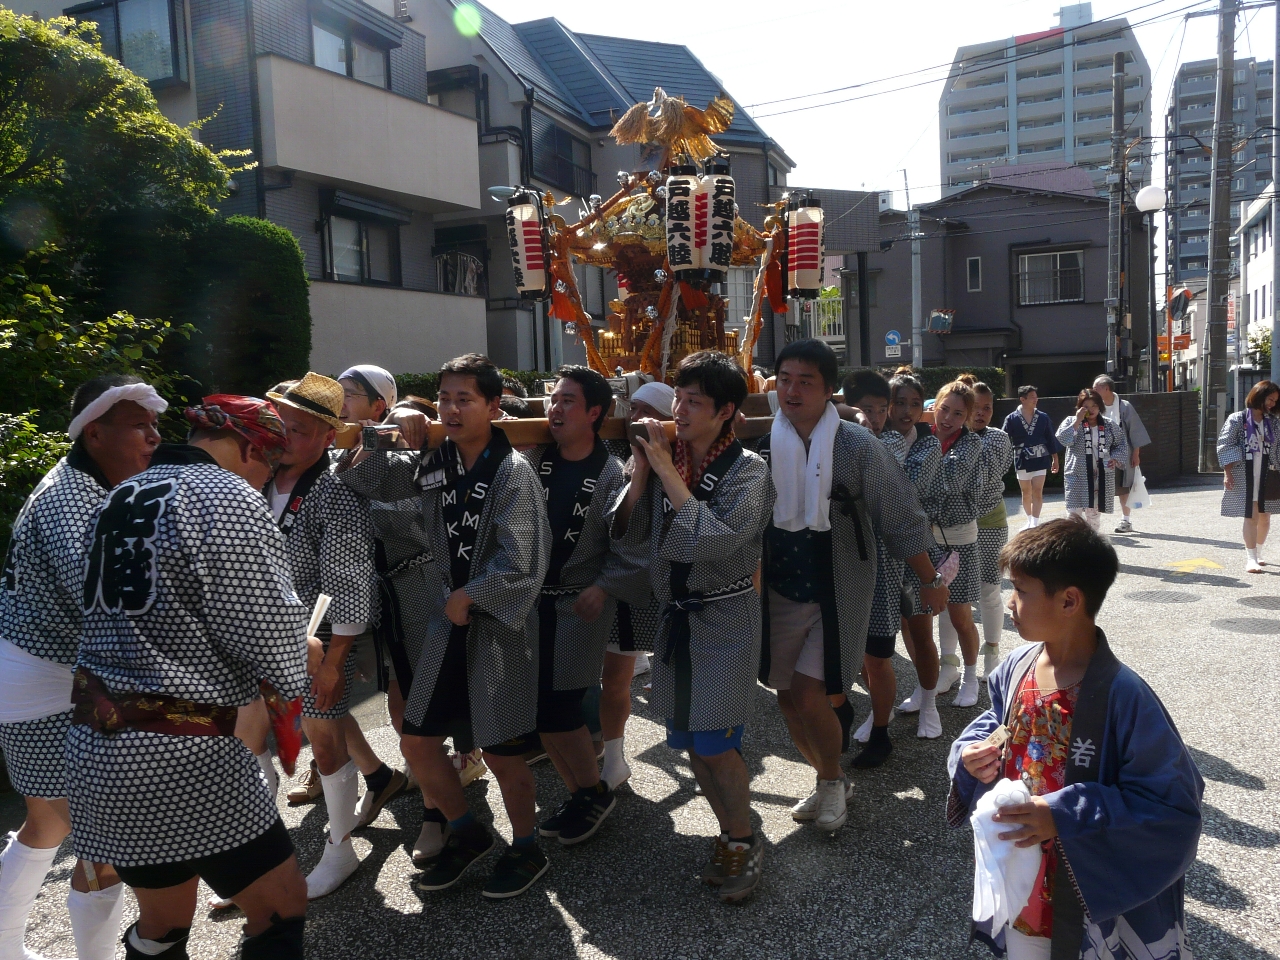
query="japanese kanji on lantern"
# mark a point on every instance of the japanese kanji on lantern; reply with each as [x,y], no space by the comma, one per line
[527,237]
[684,193]
[804,248]
[718,253]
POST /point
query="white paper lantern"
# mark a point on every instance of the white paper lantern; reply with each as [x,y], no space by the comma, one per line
[682,193]
[529,254]
[718,251]
[804,249]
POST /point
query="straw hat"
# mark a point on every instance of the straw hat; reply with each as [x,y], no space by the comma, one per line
[317,395]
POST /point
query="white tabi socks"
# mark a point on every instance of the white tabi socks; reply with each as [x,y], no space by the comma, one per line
[615,770]
[967,695]
[948,641]
[1251,564]
[339,860]
[95,921]
[929,726]
[863,733]
[992,606]
[22,873]
[269,771]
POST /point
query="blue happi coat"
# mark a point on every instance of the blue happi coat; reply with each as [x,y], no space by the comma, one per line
[1128,838]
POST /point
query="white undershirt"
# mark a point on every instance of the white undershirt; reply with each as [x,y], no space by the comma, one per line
[277,501]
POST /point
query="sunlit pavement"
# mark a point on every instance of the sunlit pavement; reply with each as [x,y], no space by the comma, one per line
[895,882]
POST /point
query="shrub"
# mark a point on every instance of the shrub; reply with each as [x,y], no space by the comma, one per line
[934,378]
[428,384]
[26,454]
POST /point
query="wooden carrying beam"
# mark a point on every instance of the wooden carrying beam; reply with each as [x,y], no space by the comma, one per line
[533,431]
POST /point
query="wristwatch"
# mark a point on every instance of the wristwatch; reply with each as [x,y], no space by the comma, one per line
[937,582]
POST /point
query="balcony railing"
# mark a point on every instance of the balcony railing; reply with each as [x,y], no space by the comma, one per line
[1051,286]
[565,174]
[825,318]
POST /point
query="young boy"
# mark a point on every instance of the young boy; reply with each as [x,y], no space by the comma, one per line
[1115,796]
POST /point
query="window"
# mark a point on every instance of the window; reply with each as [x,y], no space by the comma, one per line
[740,289]
[975,274]
[1051,278]
[147,36]
[362,252]
[337,51]
[561,159]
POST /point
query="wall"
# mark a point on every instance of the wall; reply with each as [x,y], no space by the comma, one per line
[405,331]
[1172,419]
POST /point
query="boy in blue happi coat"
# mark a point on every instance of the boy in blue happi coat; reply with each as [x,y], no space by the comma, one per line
[1115,796]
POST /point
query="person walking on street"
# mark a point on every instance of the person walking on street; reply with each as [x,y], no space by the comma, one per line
[1095,448]
[1249,454]
[1121,412]
[1035,450]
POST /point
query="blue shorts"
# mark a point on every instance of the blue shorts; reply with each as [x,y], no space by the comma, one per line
[706,743]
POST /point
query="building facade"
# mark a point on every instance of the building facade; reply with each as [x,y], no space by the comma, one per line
[1189,129]
[1044,96]
[377,129]
[1023,272]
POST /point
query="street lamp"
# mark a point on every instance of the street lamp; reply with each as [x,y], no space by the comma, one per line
[1149,200]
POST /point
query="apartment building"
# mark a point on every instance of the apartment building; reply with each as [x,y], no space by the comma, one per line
[379,127]
[1044,97]
[1189,129]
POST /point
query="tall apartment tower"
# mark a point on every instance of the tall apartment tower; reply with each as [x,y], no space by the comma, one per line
[1188,123]
[1044,97]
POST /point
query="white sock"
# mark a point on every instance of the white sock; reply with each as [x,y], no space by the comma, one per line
[615,769]
[927,697]
[95,921]
[269,771]
[149,948]
[341,791]
[22,873]
[1251,554]
[992,607]
[948,639]
[970,674]
[1257,551]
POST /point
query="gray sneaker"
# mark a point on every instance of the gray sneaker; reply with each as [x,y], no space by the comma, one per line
[713,873]
[742,871]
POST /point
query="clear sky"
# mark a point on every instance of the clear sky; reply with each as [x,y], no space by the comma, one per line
[769,51]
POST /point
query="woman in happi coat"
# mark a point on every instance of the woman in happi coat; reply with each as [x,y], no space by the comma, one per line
[1249,455]
[1095,448]
[1035,450]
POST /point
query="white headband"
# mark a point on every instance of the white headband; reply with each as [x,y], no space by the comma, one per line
[143,394]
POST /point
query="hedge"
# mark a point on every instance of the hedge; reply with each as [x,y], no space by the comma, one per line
[428,384]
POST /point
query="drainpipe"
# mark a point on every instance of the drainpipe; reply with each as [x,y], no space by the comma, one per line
[526,147]
[251,51]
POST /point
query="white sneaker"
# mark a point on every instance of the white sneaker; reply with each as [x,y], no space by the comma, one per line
[930,724]
[948,675]
[833,807]
[1124,526]
[967,696]
[806,809]
[642,664]
[338,862]
[430,841]
[912,703]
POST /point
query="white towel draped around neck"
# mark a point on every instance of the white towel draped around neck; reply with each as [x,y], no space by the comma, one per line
[803,480]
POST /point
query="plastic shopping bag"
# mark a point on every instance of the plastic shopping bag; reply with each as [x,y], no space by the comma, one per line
[1138,496]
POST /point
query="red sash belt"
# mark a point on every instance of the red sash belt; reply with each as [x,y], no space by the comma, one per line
[97,707]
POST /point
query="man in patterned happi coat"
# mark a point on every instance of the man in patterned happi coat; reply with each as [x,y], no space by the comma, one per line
[702,508]
[188,604]
[478,674]
[328,536]
[586,577]
[113,434]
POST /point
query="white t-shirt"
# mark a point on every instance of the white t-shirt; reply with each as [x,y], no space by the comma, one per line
[1112,412]
[277,501]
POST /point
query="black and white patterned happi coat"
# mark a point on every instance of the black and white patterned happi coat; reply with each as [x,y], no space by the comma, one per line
[869,501]
[997,458]
[597,560]
[722,538]
[40,608]
[1233,457]
[1075,472]
[508,565]
[188,594]
[921,463]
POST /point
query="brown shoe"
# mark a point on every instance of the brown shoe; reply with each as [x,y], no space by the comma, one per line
[371,806]
[308,789]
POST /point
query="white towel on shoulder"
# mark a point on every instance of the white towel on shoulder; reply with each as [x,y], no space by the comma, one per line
[803,480]
[1003,873]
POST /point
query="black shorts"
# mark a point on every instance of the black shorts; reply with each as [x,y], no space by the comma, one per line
[227,873]
[881,647]
[450,708]
[560,711]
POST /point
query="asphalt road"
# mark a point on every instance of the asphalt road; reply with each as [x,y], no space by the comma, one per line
[895,882]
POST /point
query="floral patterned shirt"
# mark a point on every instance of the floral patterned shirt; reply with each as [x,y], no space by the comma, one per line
[1039,739]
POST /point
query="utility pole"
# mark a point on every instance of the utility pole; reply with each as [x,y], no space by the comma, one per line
[1115,182]
[1275,203]
[917,298]
[1213,378]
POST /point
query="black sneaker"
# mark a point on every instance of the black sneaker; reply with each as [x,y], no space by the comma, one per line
[463,848]
[515,872]
[552,826]
[584,816]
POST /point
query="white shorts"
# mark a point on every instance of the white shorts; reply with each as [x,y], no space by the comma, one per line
[613,648]
[1025,475]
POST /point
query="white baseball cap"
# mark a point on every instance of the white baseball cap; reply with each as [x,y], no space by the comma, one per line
[375,380]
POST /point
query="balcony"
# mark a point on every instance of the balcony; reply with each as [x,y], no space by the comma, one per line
[563,173]
[351,134]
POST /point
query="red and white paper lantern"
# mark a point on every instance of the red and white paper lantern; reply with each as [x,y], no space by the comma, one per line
[530,258]
[804,249]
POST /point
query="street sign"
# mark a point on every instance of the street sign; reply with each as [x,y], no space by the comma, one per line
[892,350]
[892,338]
